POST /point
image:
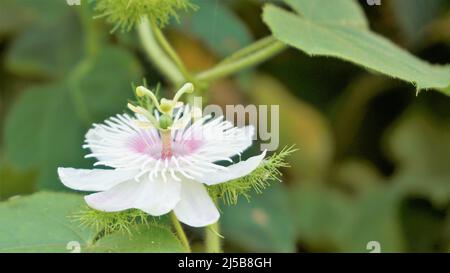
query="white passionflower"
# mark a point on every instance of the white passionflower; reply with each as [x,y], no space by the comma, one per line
[157,169]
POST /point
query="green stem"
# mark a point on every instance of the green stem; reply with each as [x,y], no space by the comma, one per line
[170,51]
[260,44]
[248,61]
[180,232]
[157,55]
[213,239]
[92,45]
[91,33]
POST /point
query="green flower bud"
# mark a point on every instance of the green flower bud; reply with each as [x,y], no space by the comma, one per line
[124,14]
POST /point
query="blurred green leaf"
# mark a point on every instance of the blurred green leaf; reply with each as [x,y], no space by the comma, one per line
[47,50]
[16,14]
[14,182]
[432,187]
[300,124]
[419,149]
[217,26]
[321,215]
[47,11]
[358,175]
[376,217]
[45,128]
[344,36]
[265,224]
[145,239]
[328,220]
[413,16]
[43,131]
[50,40]
[13,17]
[420,144]
[353,106]
[423,226]
[40,223]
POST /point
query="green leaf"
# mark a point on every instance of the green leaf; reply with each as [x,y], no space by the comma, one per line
[321,216]
[12,17]
[40,223]
[311,133]
[418,217]
[145,239]
[310,31]
[264,224]
[14,181]
[211,17]
[432,187]
[340,12]
[47,11]
[414,16]
[358,175]
[375,218]
[50,45]
[43,131]
[420,144]
[44,222]
[328,220]
[46,50]
[46,127]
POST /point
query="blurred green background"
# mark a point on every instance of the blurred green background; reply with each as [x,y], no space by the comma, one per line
[373,161]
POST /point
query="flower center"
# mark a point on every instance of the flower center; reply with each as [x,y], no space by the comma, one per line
[164,147]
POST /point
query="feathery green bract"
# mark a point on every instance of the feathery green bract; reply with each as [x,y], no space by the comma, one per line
[124,14]
[267,172]
[110,222]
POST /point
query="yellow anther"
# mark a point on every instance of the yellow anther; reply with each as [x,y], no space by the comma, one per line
[187,88]
[141,91]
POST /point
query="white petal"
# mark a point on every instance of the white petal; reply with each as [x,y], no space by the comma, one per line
[93,180]
[160,197]
[196,207]
[227,142]
[120,197]
[234,171]
[219,139]
[118,141]
[155,197]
